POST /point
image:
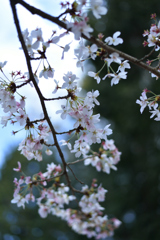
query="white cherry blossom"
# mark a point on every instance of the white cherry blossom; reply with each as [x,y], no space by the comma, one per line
[123,65]
[143,101]
[95,76]
[63,112]
[115,40]
[116,77]
[98,9]
[47,73]
[38,35]
[21,118]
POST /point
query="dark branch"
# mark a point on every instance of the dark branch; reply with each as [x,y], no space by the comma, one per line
[23,84]
[149,54]
[58,98]
[20,36]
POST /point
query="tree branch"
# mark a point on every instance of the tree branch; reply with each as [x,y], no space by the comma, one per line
[57,98]
[20,36]
[99,43]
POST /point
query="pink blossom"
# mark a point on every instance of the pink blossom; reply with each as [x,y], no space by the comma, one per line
[19,167]
[43,211]
[80,27]
[19,200]
[22,117]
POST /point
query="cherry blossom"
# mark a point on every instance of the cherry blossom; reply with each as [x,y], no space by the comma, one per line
[38,35]
[91,97]
[115,40]
[48,152]
[114,57]
[91,51]
[116,77]
[143,101]
[69,81]
[65,49]
[97,8]
[63,112]
[80,27]
[64,142]
[22,117]
[123,65]
[95,76]
[158,116]
[47,73]
[19,200]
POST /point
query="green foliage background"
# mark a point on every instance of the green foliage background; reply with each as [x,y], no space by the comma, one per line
[134,190]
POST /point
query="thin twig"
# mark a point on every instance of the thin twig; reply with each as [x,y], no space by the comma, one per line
[23,84]
[75,175]
[67,11]
[49,145]
[58,98]
[37,58]
[77,161]
[147,55]
[48,179]
[39,120]
[72,130]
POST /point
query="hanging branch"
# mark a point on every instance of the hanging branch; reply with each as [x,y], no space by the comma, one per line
[99,43]
[13,3]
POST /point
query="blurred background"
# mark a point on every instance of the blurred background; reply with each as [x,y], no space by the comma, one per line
[134,190]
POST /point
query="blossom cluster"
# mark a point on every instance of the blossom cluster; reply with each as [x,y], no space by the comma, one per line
[106,159]
[15,109]
[32,146]
[153,35]
[153,40]
[112,58]
[82,111]
[87,220]
[151,102]
[54,195]
[79,25]
[23,192]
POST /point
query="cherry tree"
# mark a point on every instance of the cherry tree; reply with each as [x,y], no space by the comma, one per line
[89,218]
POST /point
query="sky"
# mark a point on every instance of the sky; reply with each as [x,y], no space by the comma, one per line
[10,51]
